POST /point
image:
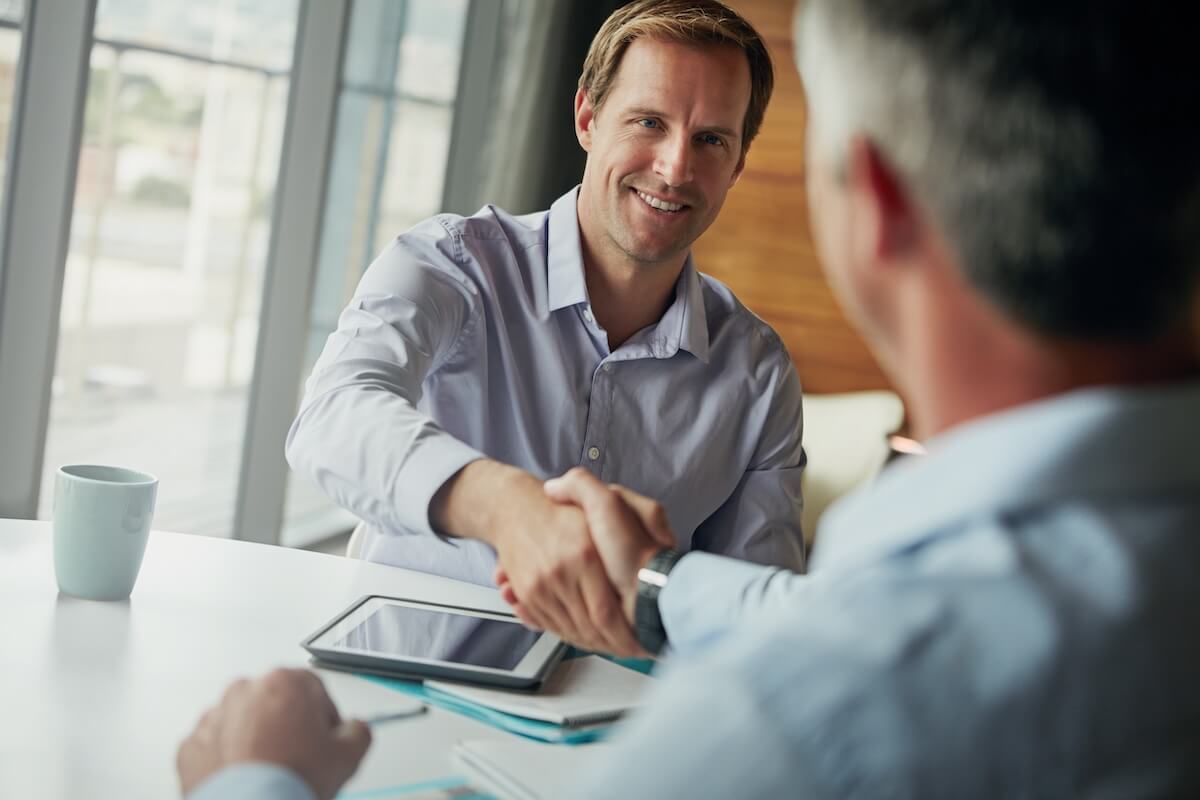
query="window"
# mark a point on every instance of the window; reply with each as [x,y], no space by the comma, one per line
[186,103]
[11,14]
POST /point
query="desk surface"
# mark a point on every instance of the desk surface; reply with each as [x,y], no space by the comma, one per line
[95,697]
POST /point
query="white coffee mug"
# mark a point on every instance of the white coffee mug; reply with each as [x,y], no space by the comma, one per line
[101,524]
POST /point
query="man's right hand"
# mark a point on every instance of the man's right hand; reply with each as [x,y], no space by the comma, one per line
[545,551]
[284,718]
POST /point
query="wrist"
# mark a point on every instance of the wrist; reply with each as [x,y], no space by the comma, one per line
[652,580]
[467,506]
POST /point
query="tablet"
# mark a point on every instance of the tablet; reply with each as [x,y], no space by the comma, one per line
[403,638]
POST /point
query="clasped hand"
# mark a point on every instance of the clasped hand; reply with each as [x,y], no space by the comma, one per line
[577,576]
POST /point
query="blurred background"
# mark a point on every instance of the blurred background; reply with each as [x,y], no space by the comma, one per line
[232,166]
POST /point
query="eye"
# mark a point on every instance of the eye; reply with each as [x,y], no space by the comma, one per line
[711,138]
[646,122]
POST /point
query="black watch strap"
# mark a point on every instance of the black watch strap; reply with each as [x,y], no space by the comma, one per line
[647,621]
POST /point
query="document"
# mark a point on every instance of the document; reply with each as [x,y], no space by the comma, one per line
[581,691]
[512,769]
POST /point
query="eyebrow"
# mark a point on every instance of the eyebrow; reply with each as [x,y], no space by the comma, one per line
[649,112]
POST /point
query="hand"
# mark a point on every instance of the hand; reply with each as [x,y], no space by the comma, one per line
[283,718]
[543,549]
[626,528]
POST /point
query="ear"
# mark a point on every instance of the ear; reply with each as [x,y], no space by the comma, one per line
[887,222]
[585,115]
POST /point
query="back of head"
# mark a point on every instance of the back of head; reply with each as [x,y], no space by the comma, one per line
[699,22]
[1045,139]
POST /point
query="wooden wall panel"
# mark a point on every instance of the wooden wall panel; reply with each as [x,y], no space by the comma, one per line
[761,245]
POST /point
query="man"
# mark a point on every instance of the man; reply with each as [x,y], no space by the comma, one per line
[480,356]
[1014,614]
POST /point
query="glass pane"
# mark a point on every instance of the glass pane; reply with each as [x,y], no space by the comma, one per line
[11,13]
[169,238]
[257,33]
[391,141]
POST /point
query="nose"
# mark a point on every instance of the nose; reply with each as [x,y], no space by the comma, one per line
[673,161]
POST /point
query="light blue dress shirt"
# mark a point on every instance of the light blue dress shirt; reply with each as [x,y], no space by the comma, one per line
[1016,614]
[474,336]
[253,781]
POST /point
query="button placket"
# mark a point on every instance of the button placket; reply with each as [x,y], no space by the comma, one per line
[596,435]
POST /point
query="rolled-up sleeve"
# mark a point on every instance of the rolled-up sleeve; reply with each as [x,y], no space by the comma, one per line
[760,521]
[359,434]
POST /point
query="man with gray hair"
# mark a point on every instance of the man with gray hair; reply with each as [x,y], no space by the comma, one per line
[1006,204]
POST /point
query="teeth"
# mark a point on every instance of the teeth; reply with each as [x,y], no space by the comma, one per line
[661,205]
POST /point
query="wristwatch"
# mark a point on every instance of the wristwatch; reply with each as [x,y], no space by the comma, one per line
[647,622]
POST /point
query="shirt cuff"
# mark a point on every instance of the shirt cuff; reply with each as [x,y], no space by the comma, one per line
[434,462]
[704,596]
[253,781]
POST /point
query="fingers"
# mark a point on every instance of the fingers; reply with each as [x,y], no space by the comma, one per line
[317,691]
[352,739]
[581,488]
[607,630]
[547,611]
[577,486]
[651,513]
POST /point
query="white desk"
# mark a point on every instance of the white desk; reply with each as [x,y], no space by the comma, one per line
[95,697]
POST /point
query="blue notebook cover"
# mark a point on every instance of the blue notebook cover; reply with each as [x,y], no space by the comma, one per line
[529,728]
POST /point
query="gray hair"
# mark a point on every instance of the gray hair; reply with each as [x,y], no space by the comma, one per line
[1044,138]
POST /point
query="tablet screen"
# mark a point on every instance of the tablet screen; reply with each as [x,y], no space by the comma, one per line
[406,632]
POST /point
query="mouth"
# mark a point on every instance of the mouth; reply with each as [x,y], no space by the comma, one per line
[658,204]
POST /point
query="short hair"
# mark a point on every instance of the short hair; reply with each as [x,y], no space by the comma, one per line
[1046,139]
[695,22]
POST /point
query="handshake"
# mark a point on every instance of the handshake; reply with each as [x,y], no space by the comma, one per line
[569,550]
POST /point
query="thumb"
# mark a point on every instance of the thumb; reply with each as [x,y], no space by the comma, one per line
[352,738]
[651,514]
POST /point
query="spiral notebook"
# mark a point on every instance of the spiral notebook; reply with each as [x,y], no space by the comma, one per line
[582,691]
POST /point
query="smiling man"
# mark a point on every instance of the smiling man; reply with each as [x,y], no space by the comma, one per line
[482,355]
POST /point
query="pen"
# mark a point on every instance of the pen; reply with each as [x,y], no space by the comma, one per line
[379,718]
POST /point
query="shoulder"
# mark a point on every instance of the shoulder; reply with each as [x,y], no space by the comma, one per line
[466,248]
[492,226]
[734,327]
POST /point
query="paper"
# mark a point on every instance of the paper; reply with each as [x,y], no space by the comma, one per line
[581,691]
[515,770]
[529,728]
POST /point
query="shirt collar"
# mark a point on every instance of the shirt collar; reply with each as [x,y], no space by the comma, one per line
[683,326]
[1104,442]
[565,285]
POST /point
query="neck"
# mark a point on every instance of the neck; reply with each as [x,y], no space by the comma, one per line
[626,295]
[960,370]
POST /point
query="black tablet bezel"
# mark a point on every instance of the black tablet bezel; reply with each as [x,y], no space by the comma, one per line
[410,669]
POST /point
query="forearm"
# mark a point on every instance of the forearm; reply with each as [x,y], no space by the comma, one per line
[477,502]
[360,435]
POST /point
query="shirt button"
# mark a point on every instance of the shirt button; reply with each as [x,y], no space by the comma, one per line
[593,453]
[607,368]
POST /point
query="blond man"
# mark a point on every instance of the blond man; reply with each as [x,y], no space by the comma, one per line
[482,355]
